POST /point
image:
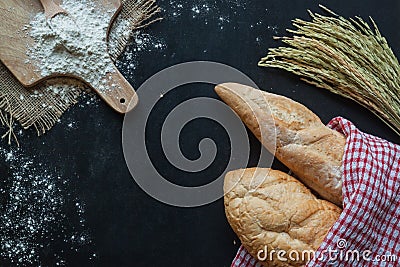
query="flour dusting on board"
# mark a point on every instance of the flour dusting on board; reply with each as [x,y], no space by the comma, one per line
[75,43]
[36,217]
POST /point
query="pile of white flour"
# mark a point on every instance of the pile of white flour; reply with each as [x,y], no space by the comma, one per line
[75,43]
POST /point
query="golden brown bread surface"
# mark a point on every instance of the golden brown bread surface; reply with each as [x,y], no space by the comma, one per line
[270,208]
[303,143]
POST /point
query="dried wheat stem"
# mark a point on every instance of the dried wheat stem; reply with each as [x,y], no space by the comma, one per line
[346,57]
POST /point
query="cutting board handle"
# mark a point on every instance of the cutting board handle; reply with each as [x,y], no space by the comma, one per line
[120,96]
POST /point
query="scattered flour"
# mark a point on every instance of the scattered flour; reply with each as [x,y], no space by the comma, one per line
[120,29]
[141,42]
[78,47]
[62,88]
[221,13]
[205,9]
[33,214]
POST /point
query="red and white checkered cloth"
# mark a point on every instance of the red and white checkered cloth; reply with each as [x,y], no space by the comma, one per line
[370,222]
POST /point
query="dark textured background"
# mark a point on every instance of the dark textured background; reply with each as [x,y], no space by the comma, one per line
[128,227]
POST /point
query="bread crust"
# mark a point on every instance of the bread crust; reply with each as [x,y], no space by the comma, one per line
[303,143]
[270,209]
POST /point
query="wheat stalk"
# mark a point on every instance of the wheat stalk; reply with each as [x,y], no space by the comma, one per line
[348,58]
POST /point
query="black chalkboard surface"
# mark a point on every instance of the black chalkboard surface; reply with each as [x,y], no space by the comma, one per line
[103,217]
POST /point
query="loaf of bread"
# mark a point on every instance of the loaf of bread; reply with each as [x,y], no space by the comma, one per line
[303,143]
[272,212]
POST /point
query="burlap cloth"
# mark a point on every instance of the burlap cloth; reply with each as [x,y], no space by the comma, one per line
[30,106]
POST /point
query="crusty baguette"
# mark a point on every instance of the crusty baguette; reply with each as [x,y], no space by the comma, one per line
[270,209]
[303,143]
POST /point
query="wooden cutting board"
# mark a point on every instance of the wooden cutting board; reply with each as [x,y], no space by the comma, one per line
[14,43]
